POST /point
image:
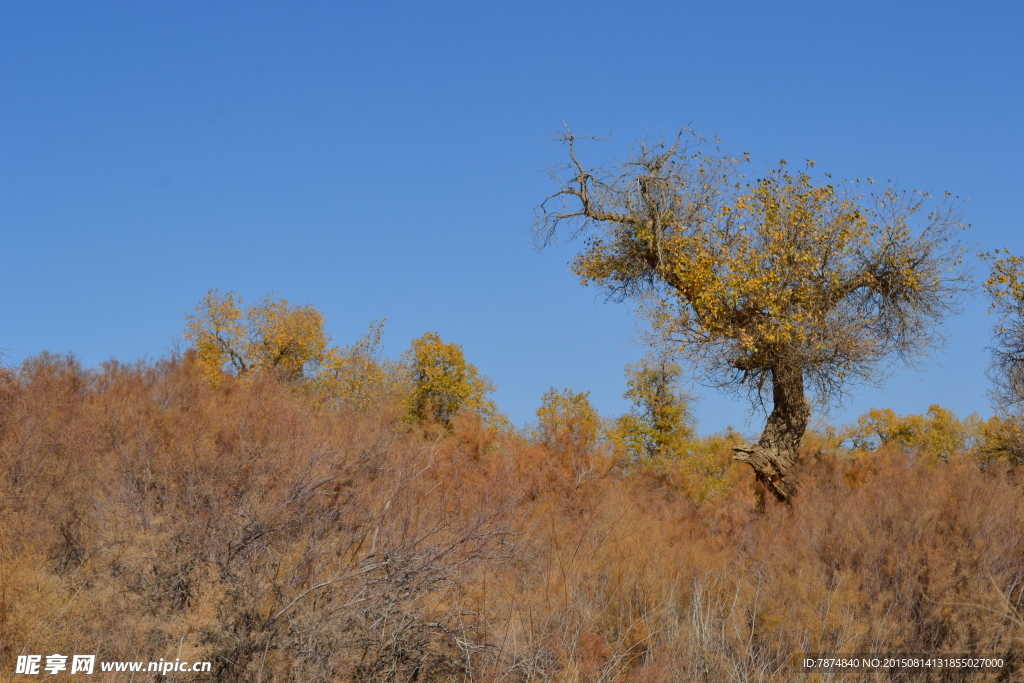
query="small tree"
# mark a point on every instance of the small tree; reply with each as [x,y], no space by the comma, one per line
[777,287]
[566,421]
[938,433]
[359,374]
[570,429]
[444,383]
[1000,439]
[659,426]
[269,335]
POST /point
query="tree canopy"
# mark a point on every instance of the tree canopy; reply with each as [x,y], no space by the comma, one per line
[567,421]
[779,286]
[444,383]
[268,335]
[1005,289]
[659,425]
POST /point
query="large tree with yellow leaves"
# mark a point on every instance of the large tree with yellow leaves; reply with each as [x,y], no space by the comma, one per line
[785,287]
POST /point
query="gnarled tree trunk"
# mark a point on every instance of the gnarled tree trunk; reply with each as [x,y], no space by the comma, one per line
[774,457]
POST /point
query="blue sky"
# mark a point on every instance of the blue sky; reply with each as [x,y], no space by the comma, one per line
[384,159]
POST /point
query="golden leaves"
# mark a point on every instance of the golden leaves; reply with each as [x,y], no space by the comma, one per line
[566,421]
[269,335]
[1005,279]
[938,433]
[771,268]
[358,374]
[433,379]
[1005,289]
[444,383]
[660,426]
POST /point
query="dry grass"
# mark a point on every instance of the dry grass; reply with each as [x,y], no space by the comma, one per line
[145,515]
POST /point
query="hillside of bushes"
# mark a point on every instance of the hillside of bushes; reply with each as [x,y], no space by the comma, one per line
[148,513]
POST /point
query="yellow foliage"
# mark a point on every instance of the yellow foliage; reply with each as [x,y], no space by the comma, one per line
[358,374]
[777,288]
[659,426]
[269,335]
[938,433]
[1005,283]
[707,468]
[659,431]
[290,341]
[566,421]
[443,383]
[759,280]
[774,272]
[1000,439]
[1005,288]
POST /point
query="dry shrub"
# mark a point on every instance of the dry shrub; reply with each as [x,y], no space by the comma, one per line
[144,515]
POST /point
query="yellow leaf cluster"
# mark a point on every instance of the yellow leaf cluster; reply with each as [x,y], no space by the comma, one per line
[1005,284]
[444,383]
[359,374]
[1005,289]
[659,426]
[566,421]
[938,434]
[433,379]
[271,335]
[781,272]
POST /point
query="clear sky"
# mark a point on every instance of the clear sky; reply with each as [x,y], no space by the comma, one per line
[384,159]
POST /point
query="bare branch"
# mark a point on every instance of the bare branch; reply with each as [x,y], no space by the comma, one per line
[773,287]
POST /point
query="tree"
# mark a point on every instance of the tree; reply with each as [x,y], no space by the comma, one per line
[938,433]
[1000,439]
[778,288]
[659,426]
[269,335]
[566,421]
[1005,289]
[444,383]
[359,374]
[1003,435]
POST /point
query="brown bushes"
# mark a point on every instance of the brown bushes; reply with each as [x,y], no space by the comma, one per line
[144,515]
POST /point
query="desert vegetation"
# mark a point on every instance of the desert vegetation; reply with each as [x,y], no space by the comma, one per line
[149,512]
[293,510]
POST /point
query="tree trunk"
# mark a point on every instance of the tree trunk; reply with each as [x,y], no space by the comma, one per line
[774,457]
